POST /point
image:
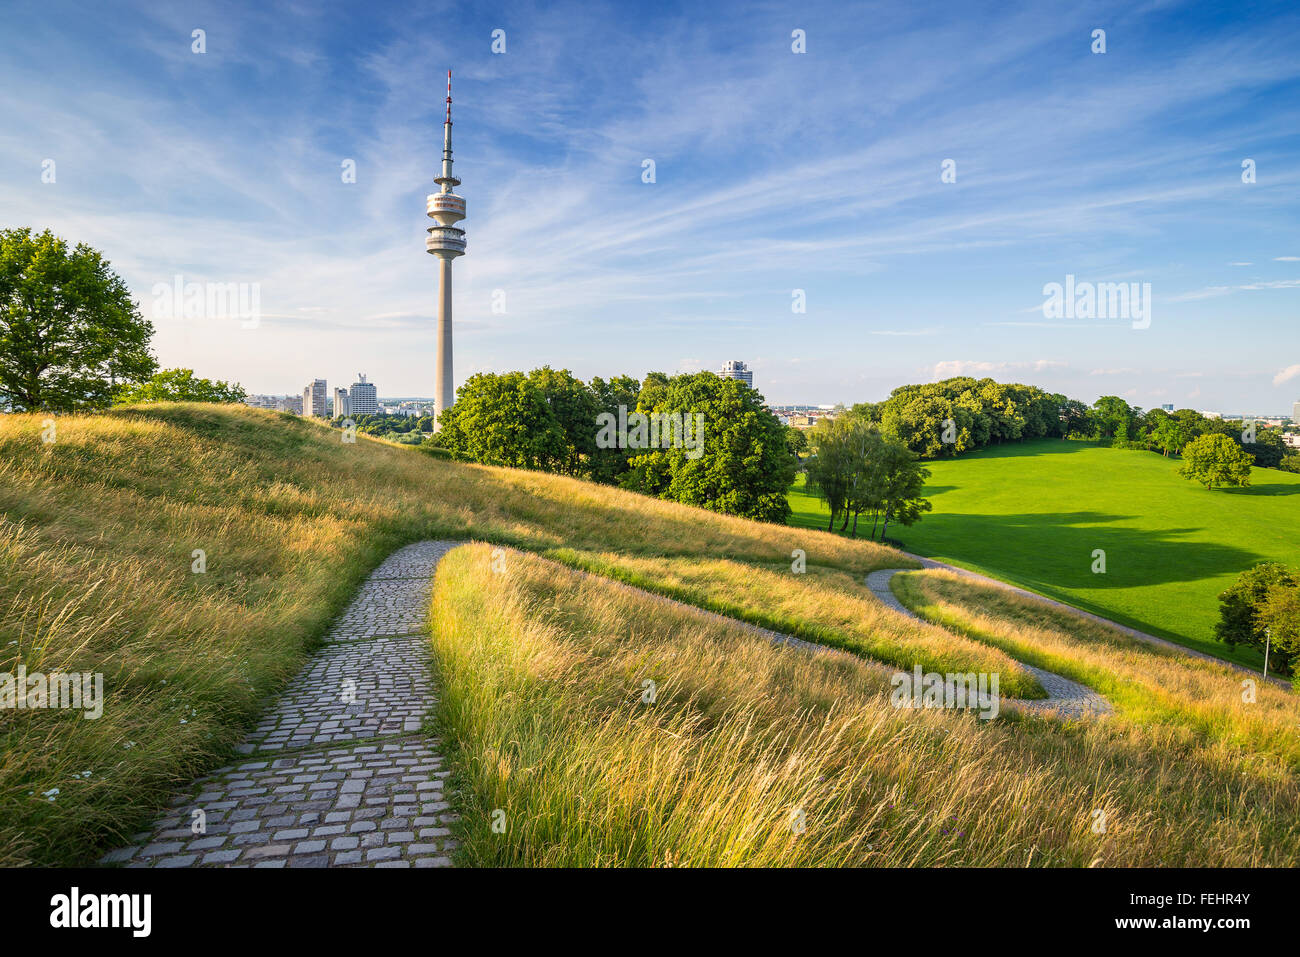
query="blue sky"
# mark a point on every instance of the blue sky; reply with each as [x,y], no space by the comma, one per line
[775,171]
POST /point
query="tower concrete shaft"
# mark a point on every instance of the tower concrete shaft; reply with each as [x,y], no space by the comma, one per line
[442,384]
[446,241]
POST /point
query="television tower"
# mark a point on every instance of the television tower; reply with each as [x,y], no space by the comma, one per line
[446,241]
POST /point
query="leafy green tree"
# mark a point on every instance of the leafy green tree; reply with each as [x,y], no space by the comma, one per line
[574,407]
[1279,617]
[1076,418]
[796,441]
[870,461]
[504,419]
[1290,463]
[1112,418]
[904,478]
[1268,449]
[1168,436]
[743,465]
[1239,604]
[179,385]
[1215,460]
[608,465]
[69,330]
[831,470]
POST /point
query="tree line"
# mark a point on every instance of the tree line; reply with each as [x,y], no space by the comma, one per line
[549,420]
[942,419]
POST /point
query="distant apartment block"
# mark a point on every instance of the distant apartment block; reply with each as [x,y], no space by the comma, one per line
[735,369]
[362,397]
[342,406]
[1168,407]
[263,401]
[1212,415]
[1295,411]
[314,399]
[290,403]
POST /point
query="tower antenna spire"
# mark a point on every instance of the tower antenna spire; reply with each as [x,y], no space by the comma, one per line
[448,96]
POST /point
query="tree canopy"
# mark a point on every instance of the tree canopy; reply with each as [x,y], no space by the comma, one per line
[69,330]
[1215,460]
[179,385]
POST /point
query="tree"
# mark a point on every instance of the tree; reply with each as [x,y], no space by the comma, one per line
[1076,419]
[608,465]
[904,478]
[742,466]
[1239,604]
[69,330]
[796,441]
[575,407]
[1279,617]
[179,385]
[830,470]
[504,420]
[1215,460]
[1112,418]
[1168,436]
[1268,449]
[1290,463]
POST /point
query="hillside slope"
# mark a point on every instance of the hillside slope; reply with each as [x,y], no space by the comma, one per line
[97,546]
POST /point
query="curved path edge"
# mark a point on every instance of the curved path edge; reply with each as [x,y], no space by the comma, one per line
[930,563]
[1064,697]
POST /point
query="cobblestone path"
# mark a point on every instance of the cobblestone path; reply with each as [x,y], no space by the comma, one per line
[1067,698]
[337,773]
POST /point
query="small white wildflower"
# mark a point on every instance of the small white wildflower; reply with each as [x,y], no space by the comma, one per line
[51,794]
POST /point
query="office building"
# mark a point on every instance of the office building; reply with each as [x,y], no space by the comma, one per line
[735,369]
[363,400]
[314,399]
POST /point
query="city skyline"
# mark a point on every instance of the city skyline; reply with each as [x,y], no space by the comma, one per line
[231,166]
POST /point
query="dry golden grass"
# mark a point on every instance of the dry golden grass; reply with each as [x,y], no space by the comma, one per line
[95,555]
[1202,704]
[542,674]
[823,605]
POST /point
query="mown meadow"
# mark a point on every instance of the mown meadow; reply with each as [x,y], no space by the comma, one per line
[1033,513]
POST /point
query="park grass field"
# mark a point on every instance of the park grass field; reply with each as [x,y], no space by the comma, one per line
[1032,513]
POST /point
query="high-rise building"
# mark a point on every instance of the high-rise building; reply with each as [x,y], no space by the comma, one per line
[446,241]
[342,407]
[313,399]
[1168,407]
[735,369]
[1295,411]
[363,398]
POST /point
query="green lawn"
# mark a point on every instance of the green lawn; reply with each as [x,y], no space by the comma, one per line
[1032,513]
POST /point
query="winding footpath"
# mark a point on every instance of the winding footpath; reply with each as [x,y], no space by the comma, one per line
[1066,698]
[339,772]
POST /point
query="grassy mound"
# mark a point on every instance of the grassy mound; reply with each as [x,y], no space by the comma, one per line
[752,754]
[96,555]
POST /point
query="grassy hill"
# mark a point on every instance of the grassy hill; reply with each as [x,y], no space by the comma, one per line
[540,670]
[96,544]
[1033,513]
